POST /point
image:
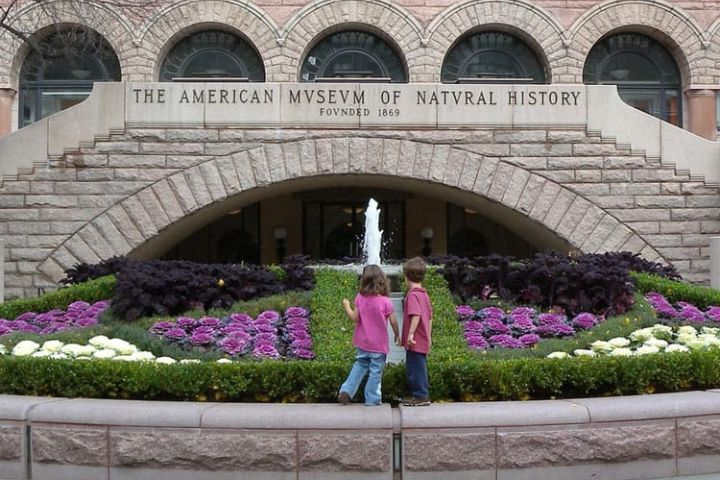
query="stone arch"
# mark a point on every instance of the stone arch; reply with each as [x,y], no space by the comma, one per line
[712,72]
[188,195]
[385,19]
[35,18]
[664,22]
[531,23]
[180,19]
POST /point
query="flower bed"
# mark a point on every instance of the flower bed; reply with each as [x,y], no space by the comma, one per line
[79,314]
[656,339]
[97,348]
[239,335]
[682,311]
[522,327]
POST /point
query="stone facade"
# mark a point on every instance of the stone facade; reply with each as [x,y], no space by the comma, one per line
[127,189]
[134,191]
[282,31]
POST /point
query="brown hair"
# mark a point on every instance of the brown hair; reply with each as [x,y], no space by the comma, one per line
[374,281]
[414,269]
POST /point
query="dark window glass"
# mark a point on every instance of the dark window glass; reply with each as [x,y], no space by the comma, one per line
[492,57]
[471,234]
[354,55]
[334,230]
[644,71]
[213,54]
[234,238]
[60,71]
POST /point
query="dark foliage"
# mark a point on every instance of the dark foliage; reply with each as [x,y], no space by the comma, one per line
[598,283]
[635,263]
[168,287]
[83,272]
[298,273]
[157,287]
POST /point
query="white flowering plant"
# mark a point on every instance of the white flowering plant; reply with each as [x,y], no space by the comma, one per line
[657,339]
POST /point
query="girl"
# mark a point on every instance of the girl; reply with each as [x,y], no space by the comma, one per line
[373,310]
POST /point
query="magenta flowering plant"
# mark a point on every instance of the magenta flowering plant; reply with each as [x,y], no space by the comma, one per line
[464,312]
[713,314]
[268,336]
[691,313]
[584,321]
[78,315]
[683,311]
[522,327]
[505,341]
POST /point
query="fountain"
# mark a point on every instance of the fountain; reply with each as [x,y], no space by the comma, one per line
[372,241]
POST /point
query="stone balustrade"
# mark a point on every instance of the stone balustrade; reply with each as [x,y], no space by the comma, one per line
[649,436]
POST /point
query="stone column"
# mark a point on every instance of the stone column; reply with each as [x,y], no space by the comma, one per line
[2,271]
[6,101]
[715,262]
[701,104]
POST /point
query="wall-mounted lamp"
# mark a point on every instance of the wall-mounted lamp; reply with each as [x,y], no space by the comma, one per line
[280,234]
[426,234]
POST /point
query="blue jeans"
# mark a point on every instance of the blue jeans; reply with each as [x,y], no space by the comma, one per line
[372,364]
[417,374]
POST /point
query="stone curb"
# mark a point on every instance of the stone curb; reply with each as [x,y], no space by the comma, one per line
[631,437]
[331,416]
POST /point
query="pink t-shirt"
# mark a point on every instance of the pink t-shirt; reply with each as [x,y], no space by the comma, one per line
[417,303]
[371,328]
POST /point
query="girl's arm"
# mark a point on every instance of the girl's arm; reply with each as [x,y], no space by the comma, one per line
[352,314]
[394,324]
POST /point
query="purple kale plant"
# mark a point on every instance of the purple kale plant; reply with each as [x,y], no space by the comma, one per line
[78,315]
[522,327]
[268,336]
[683,311]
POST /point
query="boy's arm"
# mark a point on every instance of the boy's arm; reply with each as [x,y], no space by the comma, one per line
[352,314]
[394,324]
[414,322]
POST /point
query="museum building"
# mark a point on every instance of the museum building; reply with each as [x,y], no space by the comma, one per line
[234,131]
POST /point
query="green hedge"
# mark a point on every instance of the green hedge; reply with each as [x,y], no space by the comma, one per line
[471,379]
[677,291]
[448,343]
[90,291]
[331,329]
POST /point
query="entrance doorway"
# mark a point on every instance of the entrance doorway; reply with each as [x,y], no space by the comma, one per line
[334,229]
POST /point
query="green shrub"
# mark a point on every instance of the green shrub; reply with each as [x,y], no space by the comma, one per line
[90,291]
[330,328]
[448,342]
[676,291]
[469,379]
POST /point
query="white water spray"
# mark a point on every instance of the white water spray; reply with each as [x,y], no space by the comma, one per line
[373,235]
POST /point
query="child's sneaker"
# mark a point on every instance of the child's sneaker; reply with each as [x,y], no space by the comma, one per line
[416,402]
[344,398]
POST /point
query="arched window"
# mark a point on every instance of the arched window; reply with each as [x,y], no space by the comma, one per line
[353,55]
[492,57]
[644,71]
[60,71]
[213,54]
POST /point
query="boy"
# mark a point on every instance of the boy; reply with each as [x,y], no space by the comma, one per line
[416,335]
